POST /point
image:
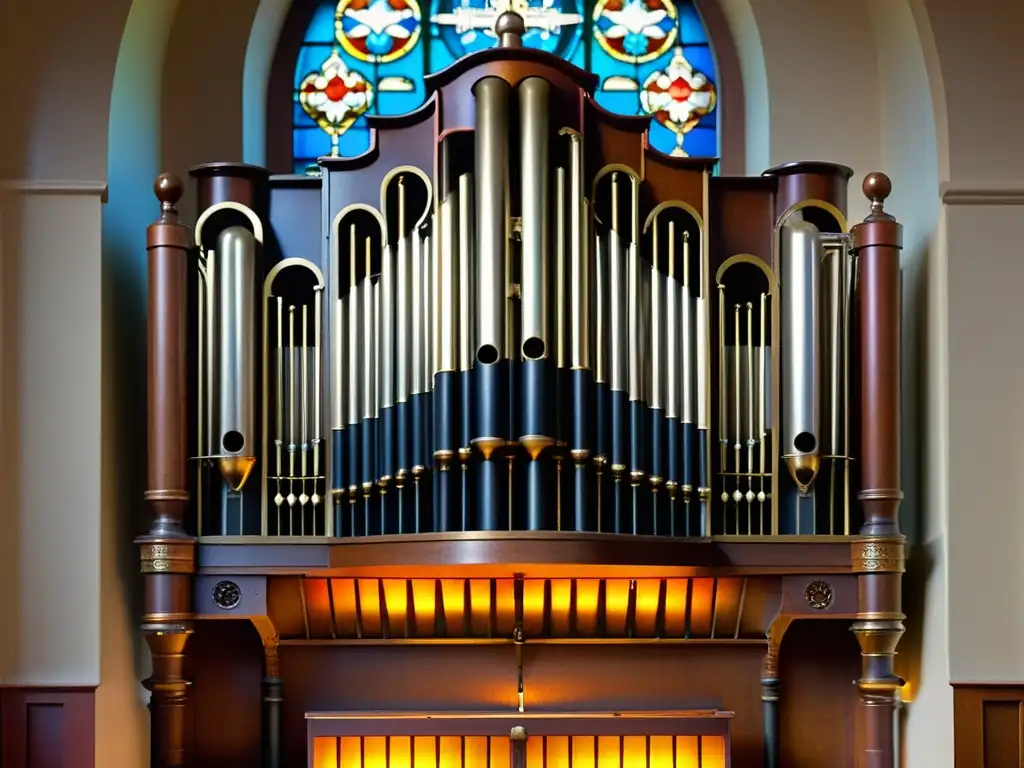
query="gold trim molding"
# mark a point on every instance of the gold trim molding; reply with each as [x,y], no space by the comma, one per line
[167,557]
[878,555]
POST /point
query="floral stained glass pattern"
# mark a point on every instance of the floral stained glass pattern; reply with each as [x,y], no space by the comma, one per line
[365,57]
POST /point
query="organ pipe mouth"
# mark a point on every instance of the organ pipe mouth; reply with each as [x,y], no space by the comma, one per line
[236,470]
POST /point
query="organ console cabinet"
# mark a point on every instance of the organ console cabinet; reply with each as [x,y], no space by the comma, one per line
[514,441]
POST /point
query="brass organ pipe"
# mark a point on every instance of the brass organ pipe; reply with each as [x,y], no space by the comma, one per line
[491,380]
[236,303]
[801,430]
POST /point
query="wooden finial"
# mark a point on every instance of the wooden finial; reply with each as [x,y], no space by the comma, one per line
[168,189]
[876,188]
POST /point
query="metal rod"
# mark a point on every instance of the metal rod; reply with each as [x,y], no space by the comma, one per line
[291,413]
[279,409]
[737,495]
[761,395]
[316,424]
[750,417]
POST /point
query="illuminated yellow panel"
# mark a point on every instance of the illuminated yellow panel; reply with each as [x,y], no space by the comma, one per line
[369,606]
[616,600]
[647,591]
[400,752]
[506,597]
[634,752]
[453,593]
[476,752]
[499,751]
[395,600]
[480,608]
[584,752]
[325,752]
[557,752]
[375,752]
[661,752]
[687,755]
[535,751]
[675,607]
[712,751]
[351,752]
[608,752]
[423,600]
[587,591]
[344,592]
[561,599]
[701,607]
[425,752]
[533,607]
[451,752]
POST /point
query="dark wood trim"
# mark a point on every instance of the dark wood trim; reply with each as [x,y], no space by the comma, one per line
[732,121]
[47,726]
[988,724]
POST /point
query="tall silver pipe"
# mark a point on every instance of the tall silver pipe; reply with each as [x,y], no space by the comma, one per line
[686,312]
[601,309]
[447,304]
[560,274]
[700,350]
[674,336]
[386,340]
[355,342]
[533,132]
[656,329]
[579,261]
[403,301]
[801,374]
[492,215]
[466,273]
[338,344]
[634,310]
[236,302]
[368,322]
[420,321]
[619,289]
[431,294]
[832,306]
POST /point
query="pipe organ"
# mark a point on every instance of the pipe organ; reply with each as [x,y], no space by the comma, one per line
[513,356]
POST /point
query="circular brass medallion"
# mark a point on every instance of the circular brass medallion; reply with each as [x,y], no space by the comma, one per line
[227,595]
[818,595]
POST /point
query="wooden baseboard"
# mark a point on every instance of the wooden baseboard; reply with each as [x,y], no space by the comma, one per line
[47,727]
[988,725]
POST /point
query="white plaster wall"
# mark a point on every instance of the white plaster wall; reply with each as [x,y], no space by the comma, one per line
[51,433]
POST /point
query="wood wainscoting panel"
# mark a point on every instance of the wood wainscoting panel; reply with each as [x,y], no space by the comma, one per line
[988,725]
[47,727]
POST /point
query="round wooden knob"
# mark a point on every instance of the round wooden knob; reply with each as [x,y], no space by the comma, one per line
[876,187]
[168,189]
[510,23]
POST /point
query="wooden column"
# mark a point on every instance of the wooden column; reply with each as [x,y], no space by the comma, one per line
[770,689]
[167,552]
[878,553]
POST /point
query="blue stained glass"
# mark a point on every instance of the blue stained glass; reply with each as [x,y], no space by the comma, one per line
[389,45]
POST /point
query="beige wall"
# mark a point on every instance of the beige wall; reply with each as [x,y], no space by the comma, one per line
[864,82]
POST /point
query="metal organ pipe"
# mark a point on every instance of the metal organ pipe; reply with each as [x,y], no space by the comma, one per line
[236,353]
[492,243]
[801,376]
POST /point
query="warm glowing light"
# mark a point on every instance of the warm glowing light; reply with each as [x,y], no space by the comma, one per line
[480,606]
[344,592]
[396,600]
[675,607]
[616,601]
[369,604]
[423,600]
[541,752]
[453,593]
[647,591]
[702,607]
[587,593]
[561,606]
[533,607]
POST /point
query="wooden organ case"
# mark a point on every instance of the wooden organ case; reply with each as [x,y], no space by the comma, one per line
[514,441]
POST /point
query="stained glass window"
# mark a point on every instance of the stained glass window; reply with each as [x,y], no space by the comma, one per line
[363,57]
